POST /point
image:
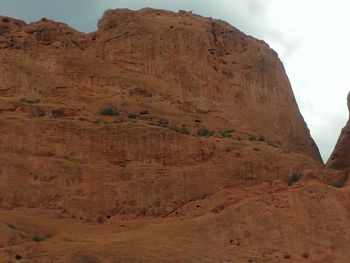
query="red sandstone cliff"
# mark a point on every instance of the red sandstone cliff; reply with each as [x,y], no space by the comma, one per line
[161,184]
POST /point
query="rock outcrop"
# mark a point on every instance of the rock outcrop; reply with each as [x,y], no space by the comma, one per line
[340,157]
[172,78]
[161,137]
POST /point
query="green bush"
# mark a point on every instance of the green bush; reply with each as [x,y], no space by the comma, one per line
[204,132]
[109,110]
[132,115]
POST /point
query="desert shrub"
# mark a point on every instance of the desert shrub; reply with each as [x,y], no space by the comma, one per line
[305,255]
[227,133]
[3,31]
[272,143]
[29,101]
[287,256]
[39,238]
[340,183]
[295,177]
[204,132]
[256,149]
[252,138]
[161,122]
[109,110]
[182,130]
[1,110]
[132,115]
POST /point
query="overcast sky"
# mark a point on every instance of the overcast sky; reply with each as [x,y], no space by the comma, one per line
[312,38]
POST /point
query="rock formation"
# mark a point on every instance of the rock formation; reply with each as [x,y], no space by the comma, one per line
[186,70]
[340,157]
[161,137]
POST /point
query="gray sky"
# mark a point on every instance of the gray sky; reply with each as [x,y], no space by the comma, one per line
[311,37]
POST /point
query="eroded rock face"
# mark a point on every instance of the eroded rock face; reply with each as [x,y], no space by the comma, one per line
[183,72]
[211,67]
[340,157]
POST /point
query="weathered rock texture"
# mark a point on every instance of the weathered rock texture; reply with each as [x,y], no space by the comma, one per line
[180,69]
[340,157]
[64,166]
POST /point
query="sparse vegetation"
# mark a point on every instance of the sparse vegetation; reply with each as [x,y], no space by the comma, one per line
[256,149]
[39,238]
[204,132]
[295,177]
[305,255]
[29,101]
[252,138]
[287,256]
[160,122]
[340,183]
[182,130]
[132,115]
[3,31]
[109,110]
[227,133]
[272,143]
